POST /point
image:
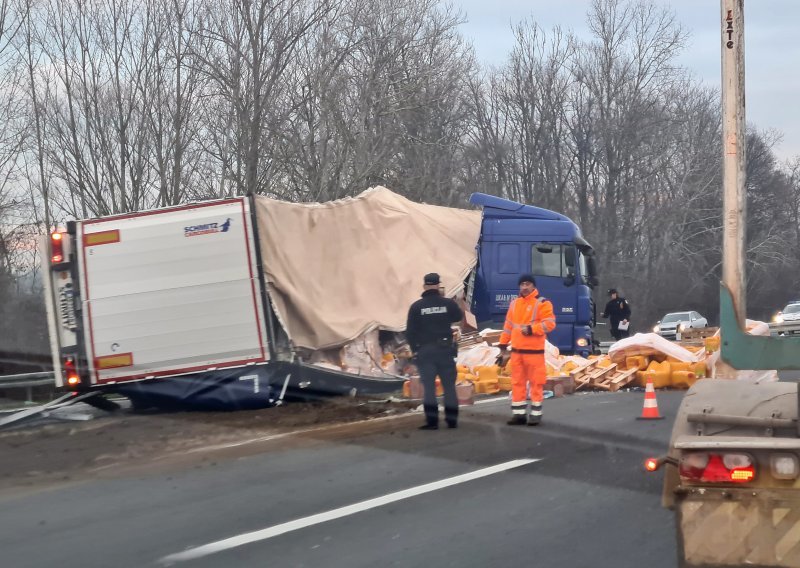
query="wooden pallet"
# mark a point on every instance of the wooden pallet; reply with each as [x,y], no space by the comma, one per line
[698,333]
[591,374]
[601,375]
[470,340]
[604,378]
[492,337]
[617,380]
[578,374]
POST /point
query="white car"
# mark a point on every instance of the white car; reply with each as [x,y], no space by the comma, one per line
[671,325]
[790,313]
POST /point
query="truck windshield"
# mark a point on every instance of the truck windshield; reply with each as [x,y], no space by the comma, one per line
[548,260]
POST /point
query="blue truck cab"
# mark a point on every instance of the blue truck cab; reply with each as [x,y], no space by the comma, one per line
[517,239]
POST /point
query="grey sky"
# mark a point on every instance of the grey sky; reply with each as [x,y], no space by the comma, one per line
[771,39]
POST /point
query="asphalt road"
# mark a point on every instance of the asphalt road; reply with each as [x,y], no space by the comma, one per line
[378,494]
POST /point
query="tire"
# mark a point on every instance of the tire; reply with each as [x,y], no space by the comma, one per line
[100,402]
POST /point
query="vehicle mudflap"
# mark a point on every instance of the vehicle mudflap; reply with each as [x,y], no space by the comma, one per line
[727,527]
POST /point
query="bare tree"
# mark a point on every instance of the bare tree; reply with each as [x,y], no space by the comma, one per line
[247,46]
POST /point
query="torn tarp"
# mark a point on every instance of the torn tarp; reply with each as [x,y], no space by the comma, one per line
[242,388]
[338,270]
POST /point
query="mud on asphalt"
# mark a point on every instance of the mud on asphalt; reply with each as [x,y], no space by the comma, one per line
[41,456]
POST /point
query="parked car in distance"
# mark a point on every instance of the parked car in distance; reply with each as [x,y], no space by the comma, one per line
[672,324]
[790,313]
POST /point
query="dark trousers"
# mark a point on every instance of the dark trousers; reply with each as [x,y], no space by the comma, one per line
[619,333]
[433,360]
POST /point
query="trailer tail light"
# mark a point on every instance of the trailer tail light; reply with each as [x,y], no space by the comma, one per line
[717,468]
[57,248]
[654,464]
[73,379]
[785,466]
[651,464]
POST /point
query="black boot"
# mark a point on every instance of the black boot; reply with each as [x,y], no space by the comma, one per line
[451,417]
[517,420]
[535,417]
[431,417]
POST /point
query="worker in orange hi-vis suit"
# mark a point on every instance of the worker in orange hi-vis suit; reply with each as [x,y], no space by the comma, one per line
[530,318]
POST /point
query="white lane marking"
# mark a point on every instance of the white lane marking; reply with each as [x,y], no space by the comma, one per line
[263,534]
[502,397]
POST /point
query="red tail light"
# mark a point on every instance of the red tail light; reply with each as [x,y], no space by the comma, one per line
[717,468]
[57,247]
[73,379]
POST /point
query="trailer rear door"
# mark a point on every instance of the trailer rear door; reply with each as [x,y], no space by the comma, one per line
[171,292]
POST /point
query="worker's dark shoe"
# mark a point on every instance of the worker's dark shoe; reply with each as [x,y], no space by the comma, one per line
[517,420]
[429,427]
[534,420]
[452,424]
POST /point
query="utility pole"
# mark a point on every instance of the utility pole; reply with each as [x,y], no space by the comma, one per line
[734,204]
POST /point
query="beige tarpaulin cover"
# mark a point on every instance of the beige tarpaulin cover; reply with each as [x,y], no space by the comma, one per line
[337,270]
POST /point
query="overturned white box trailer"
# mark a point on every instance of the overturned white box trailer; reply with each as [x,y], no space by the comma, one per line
[214,302]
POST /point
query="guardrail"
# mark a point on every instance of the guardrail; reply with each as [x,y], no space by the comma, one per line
[604,345]
[785,328]
[27,381]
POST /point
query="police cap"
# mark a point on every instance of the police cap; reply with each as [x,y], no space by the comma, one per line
[432,279]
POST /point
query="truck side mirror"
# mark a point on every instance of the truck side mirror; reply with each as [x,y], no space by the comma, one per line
[569,257]
[591,265]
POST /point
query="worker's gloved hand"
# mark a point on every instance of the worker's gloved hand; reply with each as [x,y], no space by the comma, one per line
[527,330]
[504,356]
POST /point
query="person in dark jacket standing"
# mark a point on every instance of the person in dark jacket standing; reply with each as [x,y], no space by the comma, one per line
[619,312]
[430,336]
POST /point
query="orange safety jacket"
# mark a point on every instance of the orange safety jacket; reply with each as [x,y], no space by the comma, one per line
[531,310]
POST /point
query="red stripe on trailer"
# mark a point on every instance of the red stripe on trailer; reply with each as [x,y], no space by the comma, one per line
[155,374]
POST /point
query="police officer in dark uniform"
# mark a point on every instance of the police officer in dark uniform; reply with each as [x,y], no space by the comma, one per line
[617,310]
[430,337]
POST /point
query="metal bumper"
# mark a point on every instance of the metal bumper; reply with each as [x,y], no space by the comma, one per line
[738,527]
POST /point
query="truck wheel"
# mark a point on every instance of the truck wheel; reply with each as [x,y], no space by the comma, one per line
[138,404]
[102,403]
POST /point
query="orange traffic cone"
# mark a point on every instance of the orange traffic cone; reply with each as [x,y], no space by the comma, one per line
[650,409]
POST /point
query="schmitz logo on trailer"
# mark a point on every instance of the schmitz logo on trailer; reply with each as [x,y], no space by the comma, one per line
[206,229]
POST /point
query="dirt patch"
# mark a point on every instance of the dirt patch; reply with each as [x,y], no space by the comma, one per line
[68,452]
